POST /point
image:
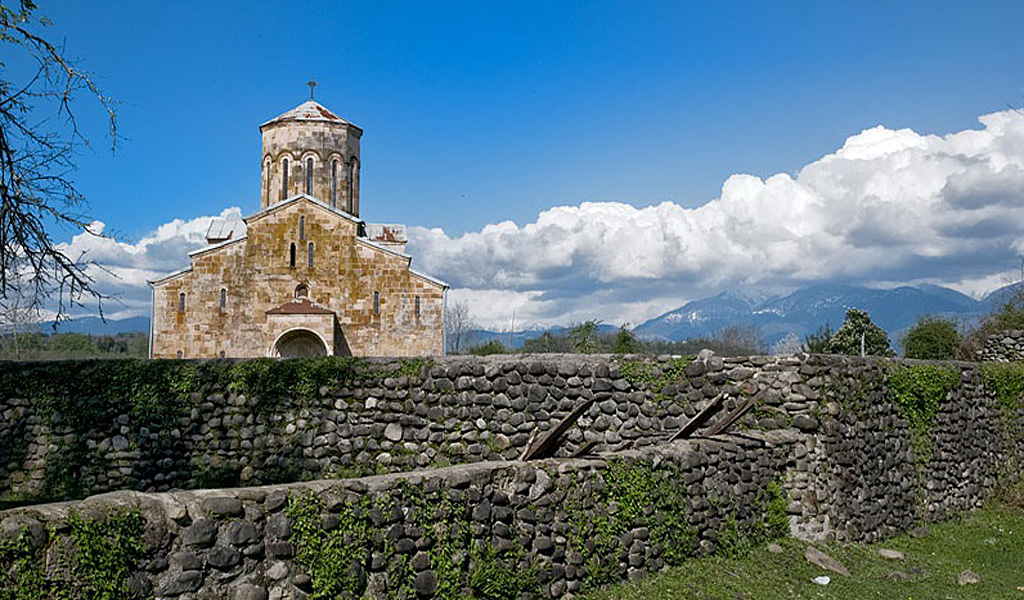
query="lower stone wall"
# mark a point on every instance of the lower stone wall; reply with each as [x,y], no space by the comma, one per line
[493,529]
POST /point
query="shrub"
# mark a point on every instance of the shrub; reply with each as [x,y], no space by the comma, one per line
[932,338]
[858,336]
[489,347]
[817,342]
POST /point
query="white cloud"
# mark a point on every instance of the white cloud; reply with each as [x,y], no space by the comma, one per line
[888,206]
[123,269]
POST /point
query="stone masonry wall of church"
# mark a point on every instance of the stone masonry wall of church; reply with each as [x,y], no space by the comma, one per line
[256,274]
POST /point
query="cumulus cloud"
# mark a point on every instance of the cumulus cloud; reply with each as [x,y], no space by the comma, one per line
[890,205]
[123,269]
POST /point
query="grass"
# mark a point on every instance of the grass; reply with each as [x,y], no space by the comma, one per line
[989,542]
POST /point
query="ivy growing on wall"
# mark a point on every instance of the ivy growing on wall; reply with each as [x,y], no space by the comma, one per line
[77,399]
[919,390]
[654,377]
[1006,381]
[338,560]
[94,562]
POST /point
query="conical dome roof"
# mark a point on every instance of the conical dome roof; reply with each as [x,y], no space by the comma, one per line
[310,110]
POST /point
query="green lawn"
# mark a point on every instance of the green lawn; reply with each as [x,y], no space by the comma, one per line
[989,542]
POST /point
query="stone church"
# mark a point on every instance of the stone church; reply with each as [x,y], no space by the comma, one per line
[303,276]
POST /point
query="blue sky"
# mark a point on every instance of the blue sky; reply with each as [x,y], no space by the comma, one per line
[476,113]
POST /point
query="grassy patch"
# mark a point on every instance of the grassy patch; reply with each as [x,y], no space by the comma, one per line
[989,542]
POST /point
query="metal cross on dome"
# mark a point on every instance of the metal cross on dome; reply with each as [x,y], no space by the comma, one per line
[312,84]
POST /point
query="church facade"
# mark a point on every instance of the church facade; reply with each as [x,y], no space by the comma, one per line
[303,276]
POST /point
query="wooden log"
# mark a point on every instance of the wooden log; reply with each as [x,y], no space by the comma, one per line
[699,418]
[545,444]
[727,422]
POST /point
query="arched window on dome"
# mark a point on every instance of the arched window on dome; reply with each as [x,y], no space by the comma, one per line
[350,184]
[309,176]
[291,256]
[284,179]
[181,302]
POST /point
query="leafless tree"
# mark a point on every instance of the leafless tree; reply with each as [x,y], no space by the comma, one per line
[39,139]
[458,326]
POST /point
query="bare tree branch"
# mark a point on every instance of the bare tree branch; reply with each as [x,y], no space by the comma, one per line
[39,135]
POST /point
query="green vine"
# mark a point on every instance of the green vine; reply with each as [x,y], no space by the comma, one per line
[1006,381]
[654,377]
[333,559]
[919,390]
[103,553]
[337,560]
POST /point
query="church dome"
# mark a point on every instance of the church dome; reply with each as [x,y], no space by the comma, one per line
[310,110]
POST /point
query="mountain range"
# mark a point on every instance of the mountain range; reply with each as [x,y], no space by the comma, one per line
[806,309]
[774,316]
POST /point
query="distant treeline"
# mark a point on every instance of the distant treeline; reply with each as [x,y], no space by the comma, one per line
[41,346]
[585,338]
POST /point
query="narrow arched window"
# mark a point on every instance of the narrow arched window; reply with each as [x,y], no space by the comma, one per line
[309,176]
[223,298]
[350,185]
[284,179]
[291,256]
[376,303]
[181,302]
[302,228]
[309,255]
[180,354]
[334,183]
[302,291]
[222,354]
[416,305]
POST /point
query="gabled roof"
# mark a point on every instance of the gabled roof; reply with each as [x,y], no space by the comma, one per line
[308,111]
[187,269]
[274,207]
[300,306]
[434,280]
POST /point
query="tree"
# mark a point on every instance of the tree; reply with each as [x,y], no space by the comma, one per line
[817,342]
[625,342]
[858,336]
[458,327]
[39,138]
[789,344]
[932,338]
[584,337]
[546,343]
[493,346]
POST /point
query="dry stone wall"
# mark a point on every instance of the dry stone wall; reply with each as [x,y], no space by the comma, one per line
[835,447]
[1004,346]
[535,530]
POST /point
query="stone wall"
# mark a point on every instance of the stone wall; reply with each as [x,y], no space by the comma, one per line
[836,447]
[217,424]
[535,530]
[1004,346]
